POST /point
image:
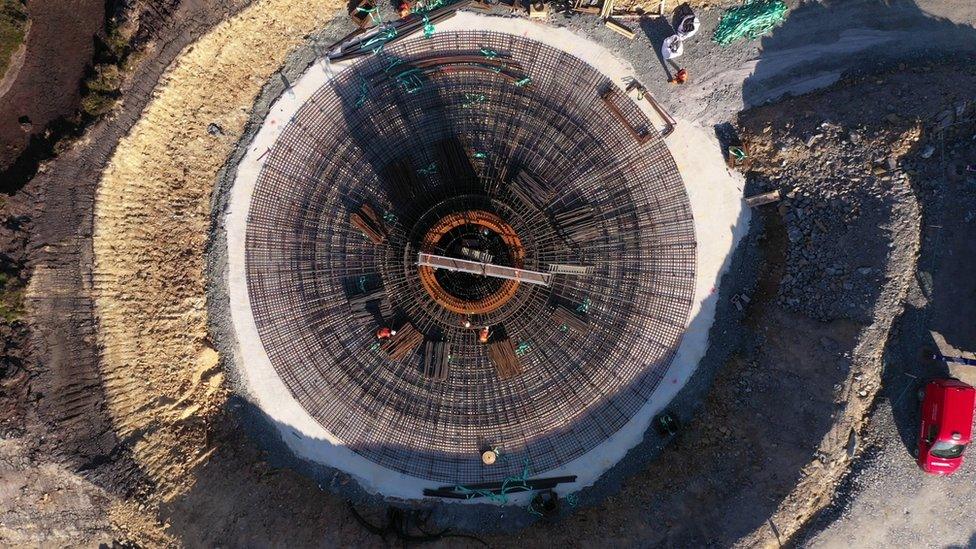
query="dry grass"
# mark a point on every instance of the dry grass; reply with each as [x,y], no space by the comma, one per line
[13,29]
[163,381]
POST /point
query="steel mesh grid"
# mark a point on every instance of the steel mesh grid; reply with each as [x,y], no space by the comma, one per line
[575,389]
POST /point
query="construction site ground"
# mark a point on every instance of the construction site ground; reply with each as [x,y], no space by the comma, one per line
[874,221]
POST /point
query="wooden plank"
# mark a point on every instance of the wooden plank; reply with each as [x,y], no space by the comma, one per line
[538,9]
[502,356]
[369,223]
[620,29]
[765,198]
[406,341]
[564,316]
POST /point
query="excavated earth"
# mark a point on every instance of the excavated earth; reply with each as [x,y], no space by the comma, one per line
[119,426]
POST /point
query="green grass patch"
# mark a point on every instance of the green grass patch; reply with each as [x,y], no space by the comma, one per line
[13,29]
[11,298]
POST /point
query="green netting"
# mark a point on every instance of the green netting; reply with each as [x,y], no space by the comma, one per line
[750,20]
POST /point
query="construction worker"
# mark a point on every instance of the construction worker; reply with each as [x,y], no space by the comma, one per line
[685,22]
[483,335]
[405,9]
[671,49]
[384,333]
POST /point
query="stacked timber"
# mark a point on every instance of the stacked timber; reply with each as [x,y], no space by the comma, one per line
[406,341]
[579,224]
[369,223]
[436,355]
[360,303]
[568,318]
[502,356]
[530,190]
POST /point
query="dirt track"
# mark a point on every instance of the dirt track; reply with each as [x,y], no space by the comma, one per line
[47,85]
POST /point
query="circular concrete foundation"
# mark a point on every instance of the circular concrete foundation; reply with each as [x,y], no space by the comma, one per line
[512,153]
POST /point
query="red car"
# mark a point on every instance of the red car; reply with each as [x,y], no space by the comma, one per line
[947,425]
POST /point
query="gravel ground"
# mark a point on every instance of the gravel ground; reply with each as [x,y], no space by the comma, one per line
[887,501]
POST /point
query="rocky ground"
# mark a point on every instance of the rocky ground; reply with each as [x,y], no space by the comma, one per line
[886,500]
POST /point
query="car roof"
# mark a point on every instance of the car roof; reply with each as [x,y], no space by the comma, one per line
[957,413]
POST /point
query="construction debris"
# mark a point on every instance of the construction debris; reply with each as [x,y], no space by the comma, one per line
[538,10]
[620,29]
[765,198]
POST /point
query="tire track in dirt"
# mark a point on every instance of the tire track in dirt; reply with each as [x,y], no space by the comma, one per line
[160,375]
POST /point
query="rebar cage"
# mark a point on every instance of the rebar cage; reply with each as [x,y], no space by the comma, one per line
[465,121]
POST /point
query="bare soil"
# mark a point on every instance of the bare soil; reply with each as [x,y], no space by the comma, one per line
[59,47]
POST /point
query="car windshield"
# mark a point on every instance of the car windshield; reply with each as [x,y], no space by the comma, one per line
[947,450]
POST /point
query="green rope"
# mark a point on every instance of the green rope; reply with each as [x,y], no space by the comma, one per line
[428,27]
[572,500]
[431,169]
[563,328]
[374,347]
[738,153]
[480,155]
[390,217]
[363,93]
[409,80]
[472,99]
[750,20]
[374,14]
[489,53]
[584,307]
[523,82]
[509,484]
[362,283]
[391,61]
[381,38]
[523,348]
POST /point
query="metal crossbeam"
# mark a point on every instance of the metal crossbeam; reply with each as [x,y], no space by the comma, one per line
[485,269]
[581,270]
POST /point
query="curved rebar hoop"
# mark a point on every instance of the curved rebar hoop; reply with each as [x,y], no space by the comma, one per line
[375,160]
